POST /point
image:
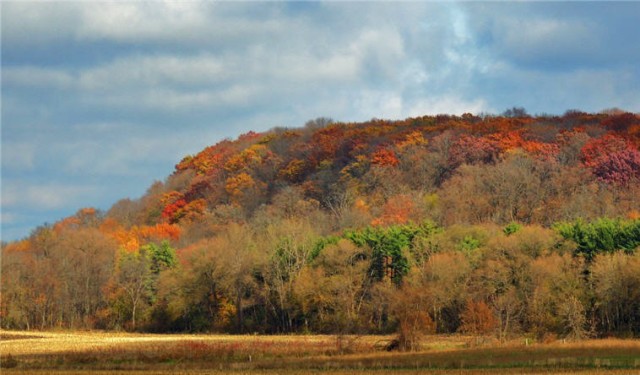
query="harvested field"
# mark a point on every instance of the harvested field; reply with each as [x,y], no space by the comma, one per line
[345,372]
[106,353]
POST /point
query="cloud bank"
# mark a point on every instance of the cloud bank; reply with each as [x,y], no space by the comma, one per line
[100,99]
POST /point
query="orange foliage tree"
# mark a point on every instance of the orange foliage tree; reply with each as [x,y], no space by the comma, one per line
[477,318]
[397,210]
[384,157]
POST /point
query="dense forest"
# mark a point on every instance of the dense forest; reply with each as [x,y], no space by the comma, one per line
[493,224]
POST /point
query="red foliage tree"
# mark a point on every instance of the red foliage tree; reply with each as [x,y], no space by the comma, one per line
[618,168]
[473,150]
[612,159]
[325,143]
[621,122]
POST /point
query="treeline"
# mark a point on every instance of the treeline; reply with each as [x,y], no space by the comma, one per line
[282,276]
[479,224]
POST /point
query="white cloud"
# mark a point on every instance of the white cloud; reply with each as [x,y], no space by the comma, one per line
[381,50]
[280,57]
[32,23]
[134,22]
[181,23]
[379,104]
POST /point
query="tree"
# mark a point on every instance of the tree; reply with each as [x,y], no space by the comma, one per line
[289,245]
[294,171]
[571,143]
[318,123]
[384,157]
[616,285]
[601,236]
[84,260]
[477,318]
[511,190]
[573,315]
[619,168]
[612,159]
[621,122]
[244,191]
[444,278]
[473,150]
[515,112]
[410,307]
[397,210]
[199,302]
[133,281]
[161,256]
[333,288]
[559,296]
[440,159]
[389,247]
[241,262]
[508,308]
[502,280]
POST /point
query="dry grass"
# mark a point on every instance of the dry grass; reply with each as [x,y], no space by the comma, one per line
[30,345]
[80,352]
[341,372]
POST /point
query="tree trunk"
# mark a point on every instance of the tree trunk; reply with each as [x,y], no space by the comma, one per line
[134,305]
[239,317]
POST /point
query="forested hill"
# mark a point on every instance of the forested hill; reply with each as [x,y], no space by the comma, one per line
[446,168]
[297,228]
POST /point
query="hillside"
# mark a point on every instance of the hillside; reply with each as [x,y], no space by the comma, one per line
[483,224]
[547,169]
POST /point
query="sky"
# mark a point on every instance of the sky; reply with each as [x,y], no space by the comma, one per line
[101,99]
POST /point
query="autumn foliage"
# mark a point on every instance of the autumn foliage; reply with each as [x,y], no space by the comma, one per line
[484,224]
[477,318]
[612,159]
